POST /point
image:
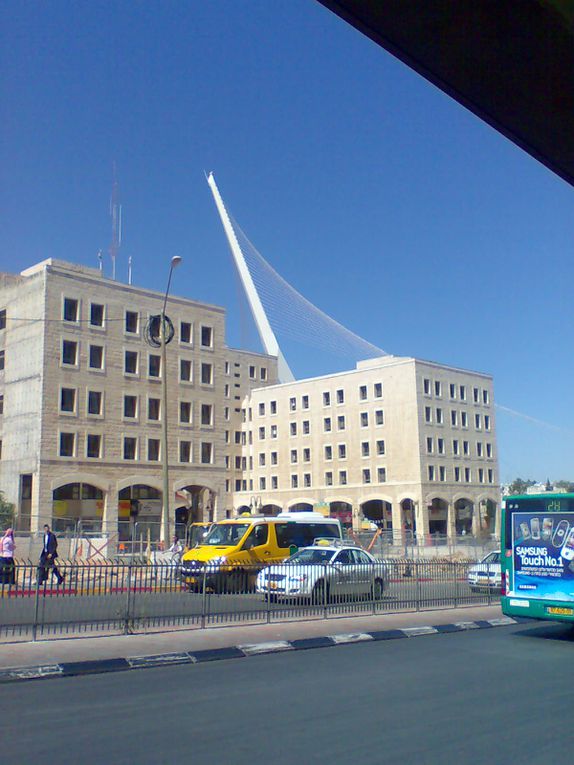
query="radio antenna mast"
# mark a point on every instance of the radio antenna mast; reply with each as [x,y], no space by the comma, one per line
[116,216]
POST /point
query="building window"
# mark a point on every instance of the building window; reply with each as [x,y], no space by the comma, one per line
[206,374]
[206,337]
[185,412]
[328,478]
[292,428]
[453,418]
[326,398]
[130,407]
[328,452]
[440,445]
[364,419]
[457,474]
[362,393]
[467,475]
[342,451]
[67,400]
[426,386]
[294,481]
[366,475]
[274,431]
[340,396]
[488,449]
[2,360]
[381,475]
[306,455]
[132,322]
[262,484]
[327,424]
[153,449]
[490,475]
[341,422]
[274,482]
[207,414]
[69,352]
[131,362]
[306,427]
[273,407]
[154,365]
[439,416]
[442,473]
[206,453]
[305,402]
[378,390]
[153,409]
[185,332]
[307,480]
[3,319]
[185,372]
[95,402]
[96,315]
[365,449]
[465,448]
[462,392]
[379,417]
[261,459]
[293,456]
[262,410]
[486,422]
[476,395]
[428,414]
[185,451]
[431,472]
[452,390]
[429,445]
[342,477]
[380,447]
[96,357]
[477,421]
[130,448]
[479,448]
[292,404]
[2,404]
[67,444]
[93,446]
[263,374]
[71,309]
[437,388]
[273,456]
[480,475]
[485,397]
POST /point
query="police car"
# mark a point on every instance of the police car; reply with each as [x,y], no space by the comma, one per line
[327,570]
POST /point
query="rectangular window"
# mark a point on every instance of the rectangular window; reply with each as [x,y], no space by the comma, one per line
[274,482]
[262,433]
[185,412]
[96,315]
[131,362]
[462,392]
[465,448]
[381,475]
[153,409]
[262,485]
[273,456]
[132,322]
[362,393]
[442,473]
[185,332]
[457,474]
[453,418]
[130,448]
[273,407]
[274,431]
[452,390]
[292,428]
[480,475]
[467,475]
[130,406]
[263,374]
[342,477]
[439,416]
[440,445]
[261,459]
[328,452]
[479,449]
[475,395]
[306,455]
[3,319]
[69,352]
[93,446]
[486,422]
[455,447]
[306,427]
[428,414]
[379,417]
[485,397]
[380,447]
[95,402]
[365,449]
[327,424]
[206,453]
[185,451]
[426,386]
[326,398]
[378,390]
[364,419]
[71,309]
[489,449]
[307,480]
[366,475]
[294,481]
[430,447]
[342,451]
[262,410]
[305,402]
[154,365]
[153,449]
[206,374]
[292,404]
[437,388]
[431,472]
[68,400]
[293,456]
[490,475]
[185,371]
[96,357]
[477,421]
[341,422]
[206,337]
[207,414]
[328,478]
[340,396]
[464,419]
[67,444]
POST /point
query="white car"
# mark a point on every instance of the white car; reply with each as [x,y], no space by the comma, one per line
[323,571]
[487,574]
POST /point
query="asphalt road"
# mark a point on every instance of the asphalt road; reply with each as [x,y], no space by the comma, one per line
[486,696]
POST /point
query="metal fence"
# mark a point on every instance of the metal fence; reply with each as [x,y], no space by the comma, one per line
[120,597]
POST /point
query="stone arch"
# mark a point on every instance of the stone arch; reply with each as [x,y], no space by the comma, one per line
[271,509]
[302,505]
[139,511]
[379,511]
[342,510]
[438,516]
[77,505]
[463,516]
[408,517]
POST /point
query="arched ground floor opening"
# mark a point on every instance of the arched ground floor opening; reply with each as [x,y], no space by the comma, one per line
[271,509]
[343,511]
[408,518]
[379,512]
[77,506]
[463,516]
[488,515]
[301,507]
[139,513]
[438,516]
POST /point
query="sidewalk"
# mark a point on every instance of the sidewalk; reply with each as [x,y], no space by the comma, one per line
[89,649]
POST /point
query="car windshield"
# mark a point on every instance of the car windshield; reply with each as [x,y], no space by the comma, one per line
[226,534]
[492,558]
[311,556]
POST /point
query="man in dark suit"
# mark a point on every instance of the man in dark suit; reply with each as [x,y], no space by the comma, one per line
[48,557]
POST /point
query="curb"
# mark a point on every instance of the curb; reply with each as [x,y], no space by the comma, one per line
[100,666]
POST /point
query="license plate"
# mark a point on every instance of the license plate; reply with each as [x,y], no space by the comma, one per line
[560,610]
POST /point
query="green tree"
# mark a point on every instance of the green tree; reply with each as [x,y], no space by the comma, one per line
[568,485]
[519,486]
[6,512]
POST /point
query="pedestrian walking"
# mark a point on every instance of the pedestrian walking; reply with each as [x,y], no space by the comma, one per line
[48,557]
[7,567]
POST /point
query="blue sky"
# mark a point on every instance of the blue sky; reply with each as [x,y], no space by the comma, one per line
[385,203]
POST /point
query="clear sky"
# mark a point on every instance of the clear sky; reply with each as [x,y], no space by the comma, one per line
[384,202]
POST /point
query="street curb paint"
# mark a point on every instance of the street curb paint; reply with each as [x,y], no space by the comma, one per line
[100,666]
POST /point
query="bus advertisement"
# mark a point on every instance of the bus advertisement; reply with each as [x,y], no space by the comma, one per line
[538,556]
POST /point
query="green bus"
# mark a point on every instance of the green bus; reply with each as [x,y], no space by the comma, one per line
[537,556]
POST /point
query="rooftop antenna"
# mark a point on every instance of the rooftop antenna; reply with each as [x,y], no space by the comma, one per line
[130,269]
[116,216]
[100,262]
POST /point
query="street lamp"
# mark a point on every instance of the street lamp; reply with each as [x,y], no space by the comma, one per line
[175,261]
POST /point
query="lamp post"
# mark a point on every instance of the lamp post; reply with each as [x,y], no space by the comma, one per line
[175,261]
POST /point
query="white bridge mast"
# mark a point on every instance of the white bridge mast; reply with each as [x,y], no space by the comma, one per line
[266,334]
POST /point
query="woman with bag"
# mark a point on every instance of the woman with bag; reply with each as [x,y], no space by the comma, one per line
[7,567]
